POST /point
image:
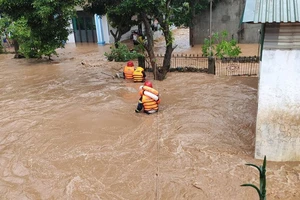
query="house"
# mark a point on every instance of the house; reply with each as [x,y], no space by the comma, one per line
[88,28]
[278,114]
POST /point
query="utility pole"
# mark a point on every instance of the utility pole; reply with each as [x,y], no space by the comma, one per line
[210,19]
[211,59]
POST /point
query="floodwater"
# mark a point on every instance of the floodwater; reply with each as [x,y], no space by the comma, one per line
[68,131]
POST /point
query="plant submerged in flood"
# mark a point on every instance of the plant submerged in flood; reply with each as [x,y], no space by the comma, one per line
[121,53]
[262,180]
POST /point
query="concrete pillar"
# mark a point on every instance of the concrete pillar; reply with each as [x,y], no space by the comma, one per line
[211,65]
[278,116]
[99,29]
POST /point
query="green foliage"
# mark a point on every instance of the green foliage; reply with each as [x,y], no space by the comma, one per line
[100,7]
[185,10]
[20,32]
[44,24]
[4,24]
[220,46]
[121,54]
[262,180]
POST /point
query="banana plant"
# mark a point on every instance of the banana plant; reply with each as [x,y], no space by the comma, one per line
[262,180]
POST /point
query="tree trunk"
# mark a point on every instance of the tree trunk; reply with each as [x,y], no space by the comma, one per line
[16,47]
[149,44]
[192,40]
[161,73]
[163,20]
[116,37]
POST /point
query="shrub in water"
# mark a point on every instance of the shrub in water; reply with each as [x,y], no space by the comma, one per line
[121,54]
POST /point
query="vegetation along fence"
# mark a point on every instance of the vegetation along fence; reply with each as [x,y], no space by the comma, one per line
[236,66]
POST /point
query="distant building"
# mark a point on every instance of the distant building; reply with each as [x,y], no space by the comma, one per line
[88,28]
[278,114]
[226,15]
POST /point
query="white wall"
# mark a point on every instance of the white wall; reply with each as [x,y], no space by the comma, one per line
[278,117]
[106,29]
[71,37]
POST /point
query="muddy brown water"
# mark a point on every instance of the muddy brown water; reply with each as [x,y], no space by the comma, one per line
[69,131]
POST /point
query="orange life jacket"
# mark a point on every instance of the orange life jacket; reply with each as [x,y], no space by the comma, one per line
[138,75]
[128,72]
[151,99]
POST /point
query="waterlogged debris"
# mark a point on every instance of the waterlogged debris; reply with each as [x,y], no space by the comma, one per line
[200,187]
[86,64]
[119,75]
[197,185]
[108,74]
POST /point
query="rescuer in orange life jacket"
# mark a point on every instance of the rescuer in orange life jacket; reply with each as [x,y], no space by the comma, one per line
[128,70]
[149,99]
[139,75]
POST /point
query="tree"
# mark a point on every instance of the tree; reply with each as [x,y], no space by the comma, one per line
[145,10]
[118,18]
[123,26]
[166,12]
[47,22]
[19,33]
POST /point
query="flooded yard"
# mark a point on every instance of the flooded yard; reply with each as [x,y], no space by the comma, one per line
[69,131]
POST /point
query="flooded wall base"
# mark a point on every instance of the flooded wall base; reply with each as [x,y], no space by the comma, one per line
[278,116]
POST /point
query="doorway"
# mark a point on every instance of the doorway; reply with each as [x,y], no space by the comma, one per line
[84,28]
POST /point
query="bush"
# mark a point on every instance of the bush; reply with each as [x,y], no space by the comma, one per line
[121,54]
[221,46]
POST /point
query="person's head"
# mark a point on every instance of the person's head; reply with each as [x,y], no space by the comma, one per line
[148,83]
[130,64]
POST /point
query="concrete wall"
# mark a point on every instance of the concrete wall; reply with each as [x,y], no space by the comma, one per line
[226,16]
[106,33]
[278,116]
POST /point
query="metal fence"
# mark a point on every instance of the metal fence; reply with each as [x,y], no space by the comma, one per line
[183,62]
[239,66]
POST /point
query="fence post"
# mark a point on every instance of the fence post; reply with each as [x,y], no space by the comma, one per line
[211,65]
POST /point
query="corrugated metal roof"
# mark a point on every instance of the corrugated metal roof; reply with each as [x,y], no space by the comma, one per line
[272,11]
